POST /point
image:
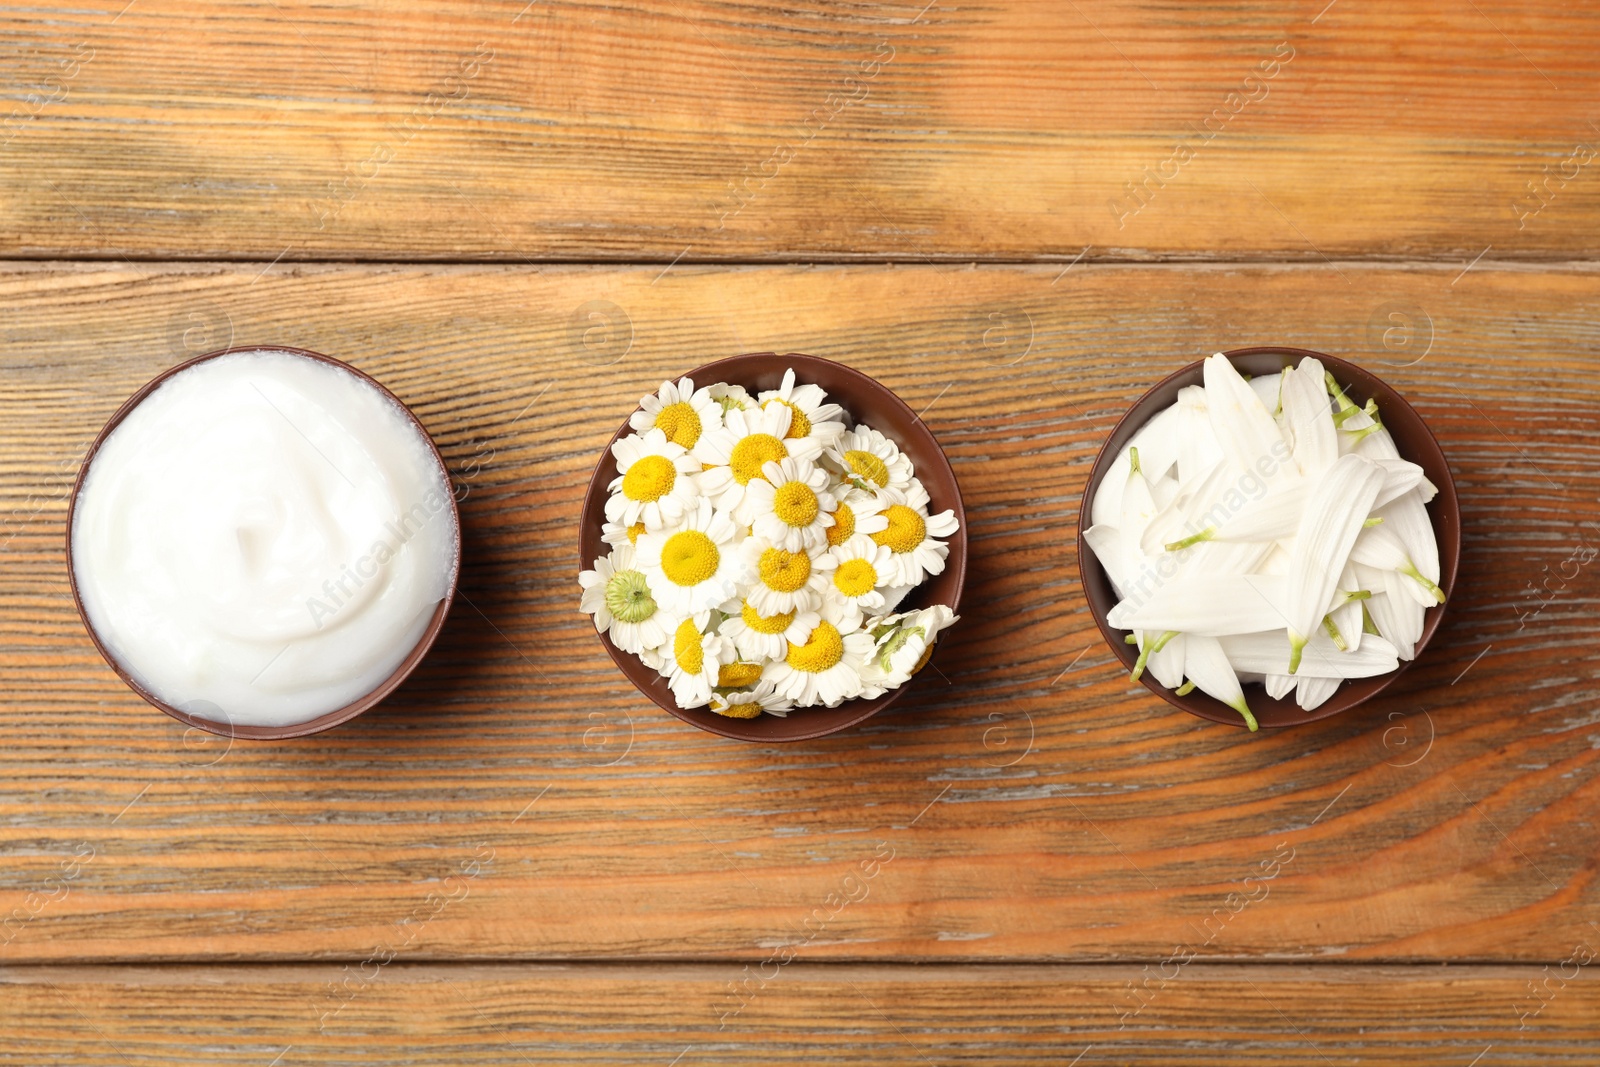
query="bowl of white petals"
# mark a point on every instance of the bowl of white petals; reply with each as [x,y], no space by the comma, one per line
[1269,537]
[772,546]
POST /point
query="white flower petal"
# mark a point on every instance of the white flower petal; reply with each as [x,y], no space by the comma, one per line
[1242,425]
[1308,418]
[1206,664]
[1312,693]
[1208,604]
[1339,504]
[1268,653]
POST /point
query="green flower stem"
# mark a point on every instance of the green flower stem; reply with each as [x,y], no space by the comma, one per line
[1297,645]
[1185,689]
[1410,571]
[1367,625]
[1376,520]
[1133,461]
[1150,649]
[1194,539]
[1333,632]
[1244,709]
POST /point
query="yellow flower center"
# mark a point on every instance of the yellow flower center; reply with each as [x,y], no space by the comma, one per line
[649,479]
[766,624]
[855,577]
[738,675]
[784,571]
[868,466]
[689,557]
[680,423]
[905,531]
[634,531]
[799,425]
[737,711]
[754,452]
[844,524]
[686,647]
[795,504]
[823,650]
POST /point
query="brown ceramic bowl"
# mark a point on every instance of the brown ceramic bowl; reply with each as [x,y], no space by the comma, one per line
[321,722]
[1415,442]
[865,401]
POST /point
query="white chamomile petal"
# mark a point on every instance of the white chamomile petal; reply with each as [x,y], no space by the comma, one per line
[618,595]
[735,455]
[1205,663]
[855,511]
[680,411]
[1241,423]
[1335,511]
[790,505]
[870,460]
[656,481]
[696,565]
[811,415]
[621,534]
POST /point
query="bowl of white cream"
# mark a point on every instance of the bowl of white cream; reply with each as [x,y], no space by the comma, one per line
[263,542]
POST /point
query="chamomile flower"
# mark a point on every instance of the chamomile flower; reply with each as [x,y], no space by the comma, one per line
[858,571]
[780,580]
[857,511]
[825,668]
[791,505]
[618,595]
[697,564]
[747,704]
[761,637]
[619,534]
[731,397]
[812,417]
[736,454]
[680,411]
[912,534]
[870,461]
[656,482]
[691,661]
[904,646]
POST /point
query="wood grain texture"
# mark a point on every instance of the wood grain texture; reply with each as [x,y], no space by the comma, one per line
[654,1014]
[715,129]
[1025,802]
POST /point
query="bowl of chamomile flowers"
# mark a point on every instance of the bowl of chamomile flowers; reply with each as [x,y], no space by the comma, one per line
[772,546]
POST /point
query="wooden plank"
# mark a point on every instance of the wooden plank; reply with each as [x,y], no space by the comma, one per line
[655,1014]
[1035,803]
[576,129]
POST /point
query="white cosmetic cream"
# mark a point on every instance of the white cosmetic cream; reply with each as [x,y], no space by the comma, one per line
[263,539]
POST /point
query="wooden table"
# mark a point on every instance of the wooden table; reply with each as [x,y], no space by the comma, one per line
[521,217]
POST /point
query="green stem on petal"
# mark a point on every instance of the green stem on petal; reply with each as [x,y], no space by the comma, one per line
[1133,461]
[1359,594]
[1410,571]
[1333,632]
[1345,403]
[1194,539]
[1150,649]
[1185,689]
[1130,639]
[1297,645]
[1244,709]
[1367,625]
[1376,520]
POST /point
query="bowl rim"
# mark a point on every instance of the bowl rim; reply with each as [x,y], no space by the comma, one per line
[1447,516]
[956,563]
[327,720]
